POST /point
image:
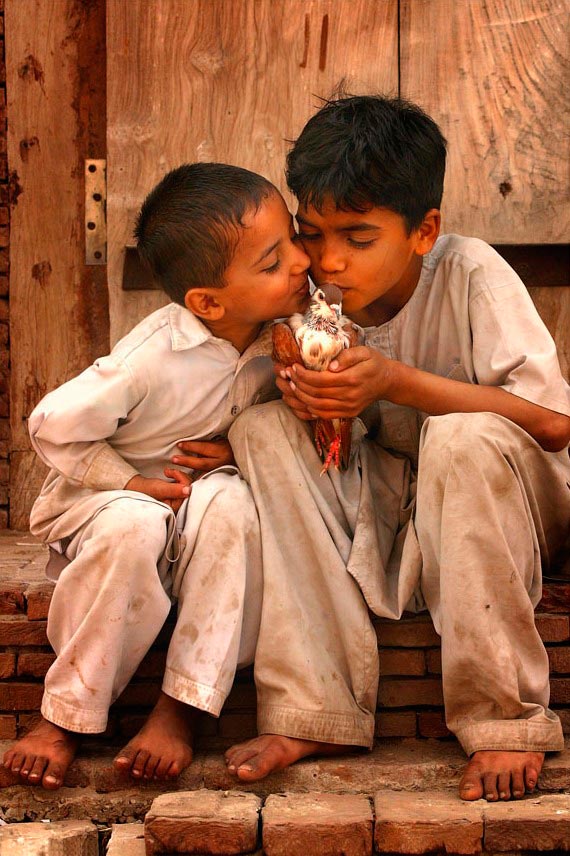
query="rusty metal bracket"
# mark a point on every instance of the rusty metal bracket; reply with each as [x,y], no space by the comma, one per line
[95,212]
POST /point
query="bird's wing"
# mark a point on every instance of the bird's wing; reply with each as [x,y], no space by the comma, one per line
[285,348]
[354,332]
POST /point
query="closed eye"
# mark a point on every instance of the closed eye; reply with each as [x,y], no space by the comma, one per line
[273,268]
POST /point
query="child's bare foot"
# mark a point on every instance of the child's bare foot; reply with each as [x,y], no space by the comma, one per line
[263,755]
[43,755]
[500,775]
[163,746]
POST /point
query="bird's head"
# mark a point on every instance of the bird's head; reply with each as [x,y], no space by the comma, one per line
[326,302]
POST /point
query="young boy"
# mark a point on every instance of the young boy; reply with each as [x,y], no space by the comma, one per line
[125,539]
[456,497]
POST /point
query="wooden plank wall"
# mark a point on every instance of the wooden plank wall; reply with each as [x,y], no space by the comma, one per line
[226,81]
[55,52]
[495,75]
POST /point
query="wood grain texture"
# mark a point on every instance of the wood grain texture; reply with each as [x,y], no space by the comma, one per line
[202,80]
[496,76]
[58,308]
[553,305]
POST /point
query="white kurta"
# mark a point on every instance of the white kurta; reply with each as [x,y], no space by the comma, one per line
[124,552]
[453,512]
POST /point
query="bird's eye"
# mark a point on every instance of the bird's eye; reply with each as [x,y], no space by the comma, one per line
[321,295]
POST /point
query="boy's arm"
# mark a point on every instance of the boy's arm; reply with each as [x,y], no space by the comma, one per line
[362,375]
[70,427]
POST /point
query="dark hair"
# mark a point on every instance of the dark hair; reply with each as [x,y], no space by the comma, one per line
[370,150]
[188,227]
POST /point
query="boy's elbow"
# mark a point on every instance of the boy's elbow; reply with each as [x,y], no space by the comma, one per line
[554,434]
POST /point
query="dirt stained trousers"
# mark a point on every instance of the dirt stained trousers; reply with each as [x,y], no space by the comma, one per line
[112,599]
[464,536]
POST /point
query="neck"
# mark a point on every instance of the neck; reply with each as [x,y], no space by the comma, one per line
[241,337]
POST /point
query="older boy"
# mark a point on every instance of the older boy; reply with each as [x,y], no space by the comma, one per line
[456,497]
[219,241]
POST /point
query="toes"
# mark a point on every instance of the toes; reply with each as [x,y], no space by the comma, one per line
[16,762]
[124,760]
[53,777]
[37,770]
[139,763]
[471,786]
[239,758]
[505,786]
[490,786]
[531,777]
[150,766]
[518,784]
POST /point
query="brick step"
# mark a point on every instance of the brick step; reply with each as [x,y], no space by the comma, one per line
[311,824]
[94,790]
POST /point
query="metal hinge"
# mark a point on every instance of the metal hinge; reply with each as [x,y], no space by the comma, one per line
[95,212]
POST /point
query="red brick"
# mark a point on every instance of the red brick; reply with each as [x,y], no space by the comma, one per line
[540,823]
[242,697]
[34,665]
[553,628]
[203,821]
[18,696]
[410,693]
[237,726]
[560,690]
[61,836]
[426,823]
[555,597]
[4,285]
[8,728]
[559,660]
[7,665]
[4,210]
[431,723]
[407,662]
[564,719]
[20,631]
[38,599]
[417,632]
[433,658]
[400,724]
[152,666]
[317,824]
[139,695]
[12,598]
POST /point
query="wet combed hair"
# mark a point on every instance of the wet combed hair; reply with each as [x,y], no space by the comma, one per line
[188,227]
[370,150]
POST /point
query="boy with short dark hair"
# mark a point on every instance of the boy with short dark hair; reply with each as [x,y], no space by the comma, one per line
[454,500]
[126,541]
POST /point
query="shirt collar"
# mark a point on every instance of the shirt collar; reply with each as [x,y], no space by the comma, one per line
[187,331]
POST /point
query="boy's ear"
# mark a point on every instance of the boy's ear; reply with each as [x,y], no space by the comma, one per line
[203,303]
[428,231]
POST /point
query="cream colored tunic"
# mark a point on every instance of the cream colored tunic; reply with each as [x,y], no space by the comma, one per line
[454,512]
[169,379]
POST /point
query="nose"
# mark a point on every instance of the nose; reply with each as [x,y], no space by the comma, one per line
[302,260]
[330,259]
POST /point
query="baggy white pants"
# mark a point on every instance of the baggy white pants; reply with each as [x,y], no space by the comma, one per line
[113,597]
[466,538]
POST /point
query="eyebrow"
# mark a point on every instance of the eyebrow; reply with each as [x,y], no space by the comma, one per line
[350,227]
[267,252]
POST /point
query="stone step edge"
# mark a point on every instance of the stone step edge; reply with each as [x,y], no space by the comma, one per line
[406,764]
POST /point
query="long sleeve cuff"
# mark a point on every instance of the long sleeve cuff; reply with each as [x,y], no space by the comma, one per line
[108,471]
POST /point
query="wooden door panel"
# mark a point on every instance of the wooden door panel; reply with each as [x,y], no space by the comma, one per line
[496,77]
[201,80]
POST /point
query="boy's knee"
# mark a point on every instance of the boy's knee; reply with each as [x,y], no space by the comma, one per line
[133,524]
[229,497]
[469,433]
